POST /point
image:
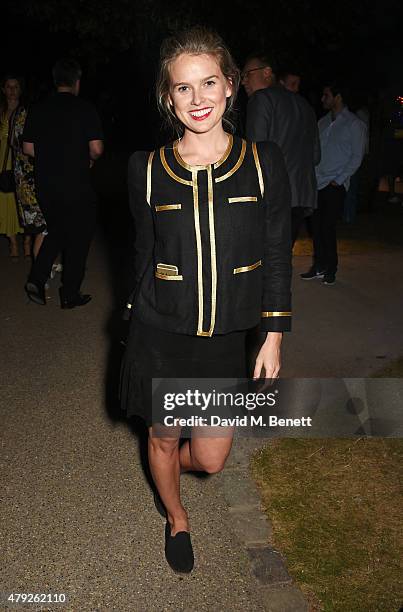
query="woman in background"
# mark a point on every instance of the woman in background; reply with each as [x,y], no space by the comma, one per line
[30,212]
[9,222]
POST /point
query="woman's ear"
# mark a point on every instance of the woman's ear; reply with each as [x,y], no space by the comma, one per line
[267,73]
[229,87]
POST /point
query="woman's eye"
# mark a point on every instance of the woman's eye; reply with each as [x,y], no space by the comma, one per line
[183,88]
[210,83]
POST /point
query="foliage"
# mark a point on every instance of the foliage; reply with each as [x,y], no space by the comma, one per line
[104,27]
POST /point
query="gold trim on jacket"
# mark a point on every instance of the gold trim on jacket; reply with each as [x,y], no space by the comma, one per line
[218,163]
[237,165]
[149,168]
[175,277]
[199,252]
[242,199]
[170,171]
[258,168]
[167,272]
[248,268]
[213,254]
[162,207]
[206,215]
[196,168]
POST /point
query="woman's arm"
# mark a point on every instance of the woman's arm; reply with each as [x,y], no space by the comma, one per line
[142,216]
[277,269]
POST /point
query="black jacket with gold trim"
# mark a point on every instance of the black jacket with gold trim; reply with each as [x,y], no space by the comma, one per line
[213,246]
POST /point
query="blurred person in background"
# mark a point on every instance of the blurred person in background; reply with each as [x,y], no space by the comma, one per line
[343,139]
[31,215]
[64,134]
[9,222]
[290,80]
[274,113]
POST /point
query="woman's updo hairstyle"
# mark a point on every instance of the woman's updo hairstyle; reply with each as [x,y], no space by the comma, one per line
[195,41]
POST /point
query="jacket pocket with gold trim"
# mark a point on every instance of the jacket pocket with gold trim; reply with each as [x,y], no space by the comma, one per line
[167,272]
[170,298]
[166,207]
[247,282]
[244,214]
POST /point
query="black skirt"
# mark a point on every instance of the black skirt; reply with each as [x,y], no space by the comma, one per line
[155,353]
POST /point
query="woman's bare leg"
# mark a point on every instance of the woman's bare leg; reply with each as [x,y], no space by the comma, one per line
[163,457]
[13,245]
[206,454]
[39,238]
[27,245]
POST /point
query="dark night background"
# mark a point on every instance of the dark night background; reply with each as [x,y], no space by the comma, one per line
[117,42]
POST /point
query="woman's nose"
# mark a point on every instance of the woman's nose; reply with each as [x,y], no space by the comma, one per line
[197,97]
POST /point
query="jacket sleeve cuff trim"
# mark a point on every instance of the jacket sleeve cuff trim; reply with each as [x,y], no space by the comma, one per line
[267,314]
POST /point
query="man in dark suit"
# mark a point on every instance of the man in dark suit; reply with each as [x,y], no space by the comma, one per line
[284,117]
[291,80]
[64,135]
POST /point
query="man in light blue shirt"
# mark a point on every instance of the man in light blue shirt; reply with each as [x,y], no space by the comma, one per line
[342,138]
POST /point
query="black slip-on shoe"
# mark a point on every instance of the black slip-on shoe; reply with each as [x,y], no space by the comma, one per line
[80,300]
[36,293]
[159,505]
[179,551]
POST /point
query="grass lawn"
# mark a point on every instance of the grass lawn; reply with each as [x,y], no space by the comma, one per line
[336,510]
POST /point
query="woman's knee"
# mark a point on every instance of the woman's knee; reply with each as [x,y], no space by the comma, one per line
[210,455]
[211,465]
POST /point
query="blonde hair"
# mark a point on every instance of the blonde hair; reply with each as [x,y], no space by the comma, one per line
[195,41]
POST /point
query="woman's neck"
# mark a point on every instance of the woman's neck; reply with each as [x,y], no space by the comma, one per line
[203,149]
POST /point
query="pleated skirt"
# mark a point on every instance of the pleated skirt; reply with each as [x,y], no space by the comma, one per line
[155,353]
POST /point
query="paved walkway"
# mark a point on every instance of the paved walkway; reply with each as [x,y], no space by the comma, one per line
[78,515]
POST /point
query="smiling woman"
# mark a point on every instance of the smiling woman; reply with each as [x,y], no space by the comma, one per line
[206,218]
[199,97]
[191,45]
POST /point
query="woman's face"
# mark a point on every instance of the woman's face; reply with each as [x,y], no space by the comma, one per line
[198,91]
[12,90]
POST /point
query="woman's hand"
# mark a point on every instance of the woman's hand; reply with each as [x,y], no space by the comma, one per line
[269,357]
